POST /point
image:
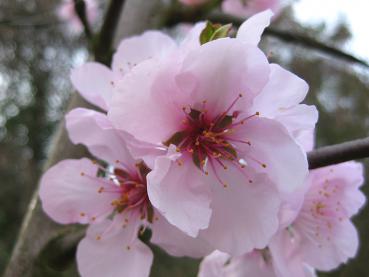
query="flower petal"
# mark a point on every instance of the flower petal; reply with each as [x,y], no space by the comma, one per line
[221,70]
[175,242]
[272,147]
[180,194]
[283,90]
[114,255]
[94,82]
[213,265]
[145,102]
[245,215]
[134,50]
[70,193]
[94,130]
[251,30]
[299,118]
[331,254]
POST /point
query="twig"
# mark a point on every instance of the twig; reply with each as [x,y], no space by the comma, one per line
[103,47]
[285,36]
[80,9]
[338,153]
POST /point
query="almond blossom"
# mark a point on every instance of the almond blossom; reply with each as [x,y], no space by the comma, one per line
[247,8]
[321,236]
[233,163]
[111,197]
[67,13]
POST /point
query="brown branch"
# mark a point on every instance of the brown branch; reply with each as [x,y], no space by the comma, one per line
[80,9]
[103,46]
[288,37]
[37,229]
[338,153]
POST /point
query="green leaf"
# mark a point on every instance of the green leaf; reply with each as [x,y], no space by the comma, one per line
[214,31]
[221,32]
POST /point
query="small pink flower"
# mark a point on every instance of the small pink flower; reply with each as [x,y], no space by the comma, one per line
[112,199]
[233,162]
[66,12]
[193,2]
[321,236]
[323,228]
[247,8]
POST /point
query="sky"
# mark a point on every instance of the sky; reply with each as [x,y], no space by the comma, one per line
[354,12]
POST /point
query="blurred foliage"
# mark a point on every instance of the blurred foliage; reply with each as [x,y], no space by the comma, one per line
[34,86]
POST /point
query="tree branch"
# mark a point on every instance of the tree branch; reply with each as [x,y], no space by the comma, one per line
[37,229]
[338,153]
[285,36]
[80,9]
[103,47]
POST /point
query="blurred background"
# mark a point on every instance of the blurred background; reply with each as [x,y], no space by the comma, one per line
[38,49]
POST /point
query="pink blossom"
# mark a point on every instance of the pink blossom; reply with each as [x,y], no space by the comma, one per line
[260,263]
[247,8]
[322,235]
[193,2]
[96,82]
[231,162]
[112,199]
[66,12]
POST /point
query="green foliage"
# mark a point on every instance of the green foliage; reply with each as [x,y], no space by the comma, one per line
[214,31]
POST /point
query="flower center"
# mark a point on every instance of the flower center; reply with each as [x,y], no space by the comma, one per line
[208,139]
[131,190]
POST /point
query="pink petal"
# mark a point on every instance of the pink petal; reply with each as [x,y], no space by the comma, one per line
[192,39]
[175,242]
[286,258]
[134,50]
[251,264]
[213,265]
[114,255]
[69,197]
[272,146]
[306,139]
[283,90]
[251,30]
[144,103]
[94,82]
[220,71]
[245,215]
[299,118]
[332,253]
[180,194]
[94,130]
[348,177]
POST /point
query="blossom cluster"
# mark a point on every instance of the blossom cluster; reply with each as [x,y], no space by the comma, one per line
[205,145]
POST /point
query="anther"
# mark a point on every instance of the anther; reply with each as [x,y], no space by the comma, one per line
[82,174]
[98,237]
[82,214]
